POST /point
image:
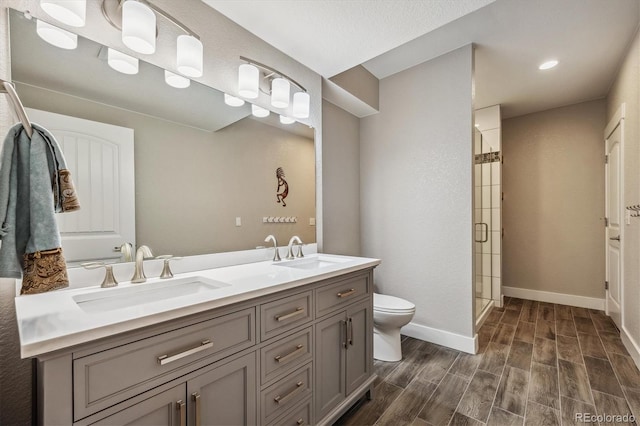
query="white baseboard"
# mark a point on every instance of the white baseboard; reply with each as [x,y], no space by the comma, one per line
[441,337]
[631,345]
[559,298]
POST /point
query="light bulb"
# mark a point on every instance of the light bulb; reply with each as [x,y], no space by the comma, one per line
[248,81]
[175,80]
[56,36]
[121,62]
[233,101]
[301,102]
[69,12]
[259,111]
[189,56]
[138,27]
[280,93]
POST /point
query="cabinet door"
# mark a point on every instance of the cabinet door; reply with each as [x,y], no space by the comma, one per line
[224,395]
[166,408]
[330,335]
[359,344]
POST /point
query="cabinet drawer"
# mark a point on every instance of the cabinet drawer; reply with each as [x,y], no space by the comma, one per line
[106,378]
[285,355]
[285,394]
[298,417]
[341,293]
[285,314]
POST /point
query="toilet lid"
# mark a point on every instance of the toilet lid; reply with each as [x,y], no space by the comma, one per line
[383,302]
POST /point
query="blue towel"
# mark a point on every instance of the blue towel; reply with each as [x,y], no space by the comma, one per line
[34,185]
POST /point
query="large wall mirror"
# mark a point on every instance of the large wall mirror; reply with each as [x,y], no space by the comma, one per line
[205,172]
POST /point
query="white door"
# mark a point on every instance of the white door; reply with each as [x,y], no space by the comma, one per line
[614,135]
[100,158]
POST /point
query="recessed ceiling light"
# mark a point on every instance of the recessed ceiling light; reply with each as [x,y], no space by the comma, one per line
[548,65]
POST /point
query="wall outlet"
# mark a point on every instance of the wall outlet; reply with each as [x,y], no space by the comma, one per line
[312,221]
[238,221]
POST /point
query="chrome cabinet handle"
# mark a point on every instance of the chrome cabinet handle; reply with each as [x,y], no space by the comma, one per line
[180,406]
[346,293]
[282,400]
[287,357]
[196,398]
[166,359]
[486,233]
[350,338]
[297,312]
[615,238]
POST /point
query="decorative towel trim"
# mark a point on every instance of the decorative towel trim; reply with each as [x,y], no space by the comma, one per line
[70,201]
[44,271]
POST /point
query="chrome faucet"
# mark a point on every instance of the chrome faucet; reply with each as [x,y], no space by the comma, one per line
[138,274]
[294,239]
[276,255]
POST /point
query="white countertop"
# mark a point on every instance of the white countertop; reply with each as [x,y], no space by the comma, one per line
[53,321]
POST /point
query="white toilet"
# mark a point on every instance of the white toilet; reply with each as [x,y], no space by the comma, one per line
[389,315]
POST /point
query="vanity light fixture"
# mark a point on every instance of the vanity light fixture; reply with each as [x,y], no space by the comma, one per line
[137,21]
[56,36]
[69,12]
[259,111]
[175,80]
[548,64]
[122,62]
[251,73]
[233,101]
[286,120]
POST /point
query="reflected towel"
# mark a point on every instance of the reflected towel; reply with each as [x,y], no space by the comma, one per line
[34,185]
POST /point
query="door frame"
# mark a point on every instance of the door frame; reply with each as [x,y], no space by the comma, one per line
[616,121]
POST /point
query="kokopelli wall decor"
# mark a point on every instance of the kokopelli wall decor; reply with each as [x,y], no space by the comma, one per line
[282,184]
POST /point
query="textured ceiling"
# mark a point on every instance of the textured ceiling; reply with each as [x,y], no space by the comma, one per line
[331,36]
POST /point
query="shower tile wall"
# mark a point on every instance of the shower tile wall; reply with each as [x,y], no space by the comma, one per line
[491,139]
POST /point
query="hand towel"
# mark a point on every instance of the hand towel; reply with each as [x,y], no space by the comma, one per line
[34,185]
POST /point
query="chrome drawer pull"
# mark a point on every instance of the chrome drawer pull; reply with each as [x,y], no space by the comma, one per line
[180,406]
[165,359]
[290,355]
[284,399]
[346,293]
[298,311]
[300,421]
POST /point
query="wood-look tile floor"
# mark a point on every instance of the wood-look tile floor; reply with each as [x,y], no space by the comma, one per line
[538,364]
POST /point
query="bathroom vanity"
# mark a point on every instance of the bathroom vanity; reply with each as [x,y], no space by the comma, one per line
[287,343]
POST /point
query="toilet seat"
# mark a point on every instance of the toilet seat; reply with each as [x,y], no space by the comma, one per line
[391,304]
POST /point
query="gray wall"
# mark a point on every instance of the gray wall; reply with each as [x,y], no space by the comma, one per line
[626,88]
[341,163]
[416,190]
[191,184]
[553,182]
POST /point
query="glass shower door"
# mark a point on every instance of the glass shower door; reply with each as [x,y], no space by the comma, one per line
[482,220]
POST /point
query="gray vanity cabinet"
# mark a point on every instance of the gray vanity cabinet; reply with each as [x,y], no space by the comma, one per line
[345,361]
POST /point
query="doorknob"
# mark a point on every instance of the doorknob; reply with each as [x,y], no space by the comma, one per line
[615,238]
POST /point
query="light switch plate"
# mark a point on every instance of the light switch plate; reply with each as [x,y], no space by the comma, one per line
[238,221]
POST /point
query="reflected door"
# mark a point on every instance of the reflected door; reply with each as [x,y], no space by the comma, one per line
[613,233]
[100,158]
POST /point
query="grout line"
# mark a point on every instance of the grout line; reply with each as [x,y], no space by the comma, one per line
[555,332]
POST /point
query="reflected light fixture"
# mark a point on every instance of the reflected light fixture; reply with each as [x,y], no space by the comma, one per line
[69,12]
[137,21]
[248,81]
[548,65]
[56,36]
[259,111]
[251,73]
[176,80]
[122,62]
[286,120]
[138,27]
[233,101]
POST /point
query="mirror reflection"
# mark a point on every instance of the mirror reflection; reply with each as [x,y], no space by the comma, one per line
[172,168]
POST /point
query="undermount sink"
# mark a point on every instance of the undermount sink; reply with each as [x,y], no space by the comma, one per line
[125,297]
[311,263]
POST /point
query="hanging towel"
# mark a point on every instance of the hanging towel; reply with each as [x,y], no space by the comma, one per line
[34,185]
